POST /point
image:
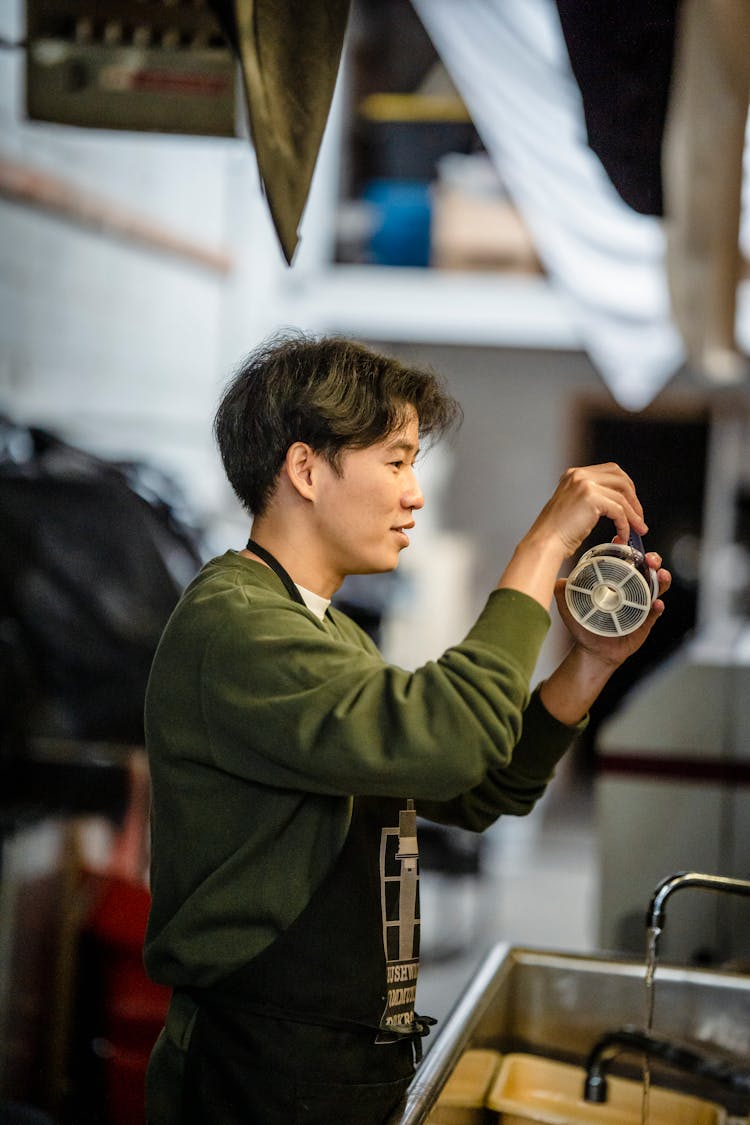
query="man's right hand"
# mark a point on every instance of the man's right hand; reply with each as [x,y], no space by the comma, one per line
[583,496]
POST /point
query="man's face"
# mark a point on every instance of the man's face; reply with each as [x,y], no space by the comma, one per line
[364,514]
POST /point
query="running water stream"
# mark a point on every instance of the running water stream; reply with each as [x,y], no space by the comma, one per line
[652,941]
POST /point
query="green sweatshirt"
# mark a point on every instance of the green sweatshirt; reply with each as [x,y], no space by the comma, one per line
[262,723]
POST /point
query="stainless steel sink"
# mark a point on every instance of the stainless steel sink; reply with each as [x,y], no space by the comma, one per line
[558,1004]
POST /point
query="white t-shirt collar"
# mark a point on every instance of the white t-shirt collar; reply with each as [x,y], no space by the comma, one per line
[314,602]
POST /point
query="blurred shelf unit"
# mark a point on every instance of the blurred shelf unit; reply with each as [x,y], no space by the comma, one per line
[426,244]
[421,191]
[432,306]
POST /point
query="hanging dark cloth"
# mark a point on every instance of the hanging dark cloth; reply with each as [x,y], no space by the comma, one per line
[289,53]
[621,56]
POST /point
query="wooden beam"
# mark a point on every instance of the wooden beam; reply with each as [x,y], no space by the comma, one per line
[21,183]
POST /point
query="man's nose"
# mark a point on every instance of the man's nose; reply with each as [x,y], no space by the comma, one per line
[413,497]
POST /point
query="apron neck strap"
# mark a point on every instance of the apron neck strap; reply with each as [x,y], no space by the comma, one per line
[276,566]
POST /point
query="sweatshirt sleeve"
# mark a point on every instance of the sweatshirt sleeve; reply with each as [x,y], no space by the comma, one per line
[291,702]
[514,788]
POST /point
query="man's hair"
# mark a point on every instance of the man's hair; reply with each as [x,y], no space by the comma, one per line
[332,393]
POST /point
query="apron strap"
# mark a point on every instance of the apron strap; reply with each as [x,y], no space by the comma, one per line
[278,569]
[385,1032]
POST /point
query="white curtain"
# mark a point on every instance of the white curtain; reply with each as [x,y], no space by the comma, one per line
[508,61]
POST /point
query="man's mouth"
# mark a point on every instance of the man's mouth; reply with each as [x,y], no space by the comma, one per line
[401,532]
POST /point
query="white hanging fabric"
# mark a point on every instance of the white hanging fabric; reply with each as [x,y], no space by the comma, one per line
[508,60]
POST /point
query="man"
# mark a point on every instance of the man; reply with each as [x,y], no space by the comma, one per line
[289,762]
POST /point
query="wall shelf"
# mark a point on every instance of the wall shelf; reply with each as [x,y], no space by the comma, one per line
[437,306]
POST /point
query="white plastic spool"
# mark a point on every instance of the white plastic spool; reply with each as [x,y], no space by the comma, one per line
[611,589]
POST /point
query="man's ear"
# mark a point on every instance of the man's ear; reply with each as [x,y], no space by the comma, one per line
[300,463]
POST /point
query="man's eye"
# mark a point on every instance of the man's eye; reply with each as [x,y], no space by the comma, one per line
[397,464]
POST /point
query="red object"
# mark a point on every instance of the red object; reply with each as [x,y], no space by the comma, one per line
[134,1007]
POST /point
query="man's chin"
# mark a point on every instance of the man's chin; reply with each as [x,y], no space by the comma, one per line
[378,568]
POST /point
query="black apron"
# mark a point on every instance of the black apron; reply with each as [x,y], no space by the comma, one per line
[320,1028]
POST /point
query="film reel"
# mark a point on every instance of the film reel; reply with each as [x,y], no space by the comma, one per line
[611,589]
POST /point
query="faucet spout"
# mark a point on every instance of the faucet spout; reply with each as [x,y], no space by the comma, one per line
[682,1056]
[672,883]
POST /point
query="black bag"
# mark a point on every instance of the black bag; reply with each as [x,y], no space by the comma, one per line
[92,561]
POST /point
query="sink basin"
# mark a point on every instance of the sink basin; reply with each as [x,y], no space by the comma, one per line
[463,1099]
[530,1089]
[556,1005]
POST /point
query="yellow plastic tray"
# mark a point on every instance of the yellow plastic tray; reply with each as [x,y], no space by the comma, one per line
[464,1096]
[531,1089]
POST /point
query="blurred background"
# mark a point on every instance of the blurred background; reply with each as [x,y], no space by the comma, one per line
[541,202]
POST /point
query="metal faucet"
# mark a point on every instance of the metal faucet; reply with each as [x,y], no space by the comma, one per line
[679,1055]
[655,914]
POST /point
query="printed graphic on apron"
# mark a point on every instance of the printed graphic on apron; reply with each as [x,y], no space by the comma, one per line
[399,882]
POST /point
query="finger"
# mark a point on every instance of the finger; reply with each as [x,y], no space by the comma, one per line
[611,505]
[636,520]
[622,526]
[664,578]
[616,479]
[633,509]
[625,515]
[625,518]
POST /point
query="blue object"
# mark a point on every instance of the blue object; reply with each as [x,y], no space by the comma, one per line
[401,235]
